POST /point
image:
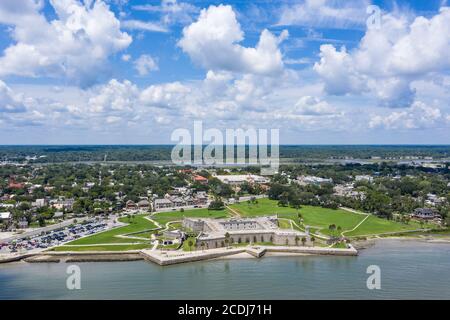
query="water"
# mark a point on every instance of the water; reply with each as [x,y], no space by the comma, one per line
[408,270]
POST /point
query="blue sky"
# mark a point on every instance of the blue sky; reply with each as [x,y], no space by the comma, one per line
[132,71]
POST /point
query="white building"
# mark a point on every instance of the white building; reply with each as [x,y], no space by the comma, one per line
[239,179]
[305,180]
[364,178]
[5,216]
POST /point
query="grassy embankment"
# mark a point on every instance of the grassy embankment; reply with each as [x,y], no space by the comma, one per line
[319,219]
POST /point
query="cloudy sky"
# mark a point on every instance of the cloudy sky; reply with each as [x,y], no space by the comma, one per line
[132,71]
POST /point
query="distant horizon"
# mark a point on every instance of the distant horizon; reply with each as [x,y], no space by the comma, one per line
[172,145]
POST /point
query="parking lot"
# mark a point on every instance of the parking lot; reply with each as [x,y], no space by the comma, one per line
[53,238]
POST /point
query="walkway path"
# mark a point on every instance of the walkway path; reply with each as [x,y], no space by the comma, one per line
[360,223]
[234,213]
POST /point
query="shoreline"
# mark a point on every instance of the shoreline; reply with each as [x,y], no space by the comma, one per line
[173,257]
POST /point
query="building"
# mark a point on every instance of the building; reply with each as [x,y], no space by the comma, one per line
[5,216]
[23,223]
[426,214]
[236,180]
[364,178]
[58,215]
[348,191]
[39,203]
[162,203]
[305,180]
[15,185]
[62,203]
[215,233]
[433,200]
[130,205]
[143,204]
[200,179]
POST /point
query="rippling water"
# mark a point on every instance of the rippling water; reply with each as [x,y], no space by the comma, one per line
[408,270]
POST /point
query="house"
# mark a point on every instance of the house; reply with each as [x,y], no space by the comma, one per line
[130,205]
[200,179]
[39,203]
[426,214]
[15,185]
[62,203]
[433,200]
[178,202]
[143,204]
[347,190]
[58,214]
[23,223]
[162,203]
[5,216]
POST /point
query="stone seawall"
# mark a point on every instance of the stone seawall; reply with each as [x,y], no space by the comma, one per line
[183,257]
[168,258]
[171,257]
[314,250]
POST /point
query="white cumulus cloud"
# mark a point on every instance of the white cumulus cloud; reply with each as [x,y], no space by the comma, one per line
[213,43]
[75,45]
[145,64]
[389,59]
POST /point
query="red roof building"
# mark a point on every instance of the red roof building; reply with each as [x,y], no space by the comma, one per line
[200,179]
[15,185]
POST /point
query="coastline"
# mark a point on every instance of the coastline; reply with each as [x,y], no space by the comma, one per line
[238,253]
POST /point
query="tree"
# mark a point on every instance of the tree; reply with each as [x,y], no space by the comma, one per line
[202,245]
[297,239]
[313,239]
[216,205]
[190,244]
[303,241]
[227,238]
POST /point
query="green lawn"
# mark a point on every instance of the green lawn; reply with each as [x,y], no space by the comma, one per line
[317,217]
[137,223]
[284,224]
[186,244]
[264,207]
[118,247]
[164,217]
[375,225]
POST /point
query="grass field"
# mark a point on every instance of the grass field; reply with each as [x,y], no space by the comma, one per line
[284,224]
[118,247]
[375,225]
[137,223]
[186,244]
[316,217]
[319,219]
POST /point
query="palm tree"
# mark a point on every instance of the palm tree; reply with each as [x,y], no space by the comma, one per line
[303,241]
[296,240]
[227,238]
[313,239]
